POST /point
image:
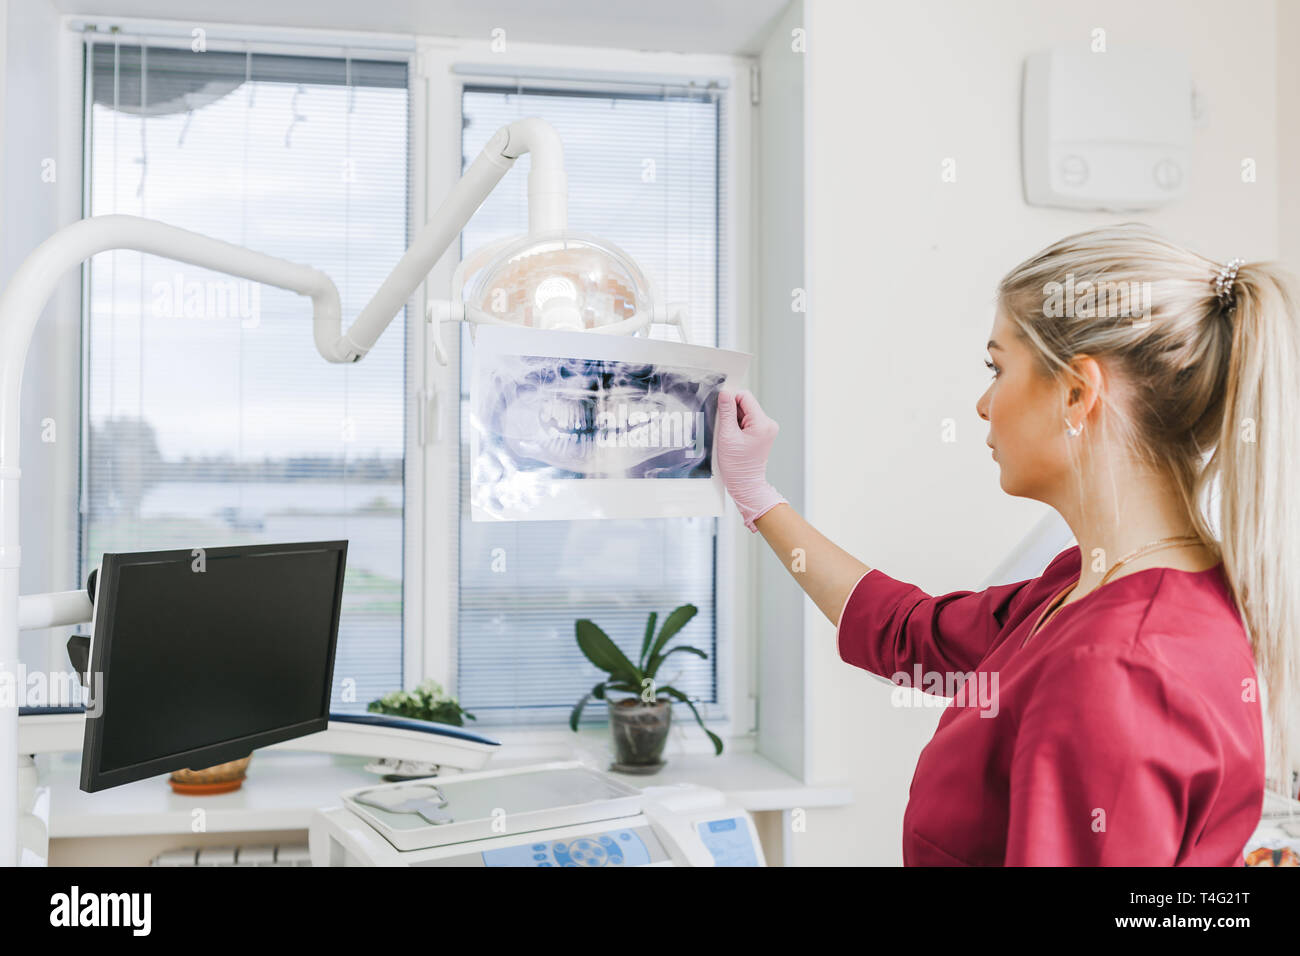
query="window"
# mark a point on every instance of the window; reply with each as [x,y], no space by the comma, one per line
[644,173]
[209,418]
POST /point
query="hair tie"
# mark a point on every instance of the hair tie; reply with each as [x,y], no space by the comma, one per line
[1223,281]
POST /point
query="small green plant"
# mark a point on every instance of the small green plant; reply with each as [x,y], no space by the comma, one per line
[427,702]
[638,678]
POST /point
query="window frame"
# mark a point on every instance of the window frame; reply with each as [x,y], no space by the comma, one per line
[439,68]
[446,68]
[74,67]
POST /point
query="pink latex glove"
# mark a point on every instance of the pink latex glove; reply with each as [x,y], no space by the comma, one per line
[742,449]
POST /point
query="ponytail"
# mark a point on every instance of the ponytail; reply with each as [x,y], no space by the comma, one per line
[1257,466]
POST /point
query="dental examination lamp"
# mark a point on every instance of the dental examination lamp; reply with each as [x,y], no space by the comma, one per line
[553,280]
[547,279]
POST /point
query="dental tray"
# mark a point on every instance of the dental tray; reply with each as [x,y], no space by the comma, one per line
[437,811]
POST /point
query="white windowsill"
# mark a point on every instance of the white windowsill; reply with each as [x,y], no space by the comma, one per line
[284,787]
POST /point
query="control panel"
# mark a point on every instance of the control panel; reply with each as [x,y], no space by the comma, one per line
[613,848]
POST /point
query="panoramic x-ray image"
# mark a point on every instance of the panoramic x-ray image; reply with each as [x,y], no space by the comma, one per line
[616,427]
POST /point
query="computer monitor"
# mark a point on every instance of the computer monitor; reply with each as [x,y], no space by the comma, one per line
[201,656]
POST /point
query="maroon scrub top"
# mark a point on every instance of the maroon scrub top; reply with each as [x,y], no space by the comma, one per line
[1127,731]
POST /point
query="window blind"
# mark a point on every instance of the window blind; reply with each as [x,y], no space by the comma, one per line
[209,418]
[644,172]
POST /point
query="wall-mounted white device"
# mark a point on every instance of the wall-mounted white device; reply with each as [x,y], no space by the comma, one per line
[1109,131]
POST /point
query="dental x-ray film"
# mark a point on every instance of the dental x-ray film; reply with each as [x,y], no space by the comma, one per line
[581,425]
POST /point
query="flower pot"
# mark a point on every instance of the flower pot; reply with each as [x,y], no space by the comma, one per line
[223,778]
[640,731]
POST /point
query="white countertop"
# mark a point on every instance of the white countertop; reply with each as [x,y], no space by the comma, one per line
[284,787]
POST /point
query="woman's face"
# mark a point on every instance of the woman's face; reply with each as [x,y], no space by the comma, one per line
[1025,412]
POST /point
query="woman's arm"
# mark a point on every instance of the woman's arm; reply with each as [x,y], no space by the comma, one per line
[882,625]
[825,571]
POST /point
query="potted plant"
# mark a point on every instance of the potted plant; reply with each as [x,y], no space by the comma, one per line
[641,710]
[427,702]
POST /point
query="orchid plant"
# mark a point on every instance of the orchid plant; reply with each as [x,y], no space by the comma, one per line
[638,678]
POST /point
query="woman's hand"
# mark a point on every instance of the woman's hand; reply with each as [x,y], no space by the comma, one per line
[745,437]
[825,571]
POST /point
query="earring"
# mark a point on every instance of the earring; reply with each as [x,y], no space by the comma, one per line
[1074,431]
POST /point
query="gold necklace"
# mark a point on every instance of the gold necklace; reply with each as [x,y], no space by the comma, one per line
[1180,541]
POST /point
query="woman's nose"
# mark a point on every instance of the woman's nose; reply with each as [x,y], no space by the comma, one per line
[982,406]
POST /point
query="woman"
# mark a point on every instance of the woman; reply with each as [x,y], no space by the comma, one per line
[1127,725]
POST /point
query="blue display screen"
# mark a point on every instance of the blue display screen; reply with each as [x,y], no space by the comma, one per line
[728,842]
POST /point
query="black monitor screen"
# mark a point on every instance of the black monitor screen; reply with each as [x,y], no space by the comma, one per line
[205,655]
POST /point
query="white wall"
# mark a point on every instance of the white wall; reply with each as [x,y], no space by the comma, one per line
[34,206]
[902,269]
[779,379]
[1288,122]
[4,62]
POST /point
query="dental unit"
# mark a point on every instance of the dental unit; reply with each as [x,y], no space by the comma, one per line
[549,279]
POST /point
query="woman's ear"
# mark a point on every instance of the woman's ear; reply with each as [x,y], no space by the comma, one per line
[1085,386]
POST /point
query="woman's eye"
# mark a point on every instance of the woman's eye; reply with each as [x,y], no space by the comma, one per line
[991,367]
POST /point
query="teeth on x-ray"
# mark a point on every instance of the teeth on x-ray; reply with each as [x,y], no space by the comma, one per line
[570,446]
[569,416]
[589,418]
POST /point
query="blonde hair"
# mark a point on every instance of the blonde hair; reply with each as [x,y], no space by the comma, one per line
[1206,389]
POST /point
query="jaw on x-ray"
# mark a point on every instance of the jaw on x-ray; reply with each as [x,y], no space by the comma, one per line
[576,436]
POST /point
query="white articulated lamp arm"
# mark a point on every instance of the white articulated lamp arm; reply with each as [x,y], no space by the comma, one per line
[32,284]
[547,211]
